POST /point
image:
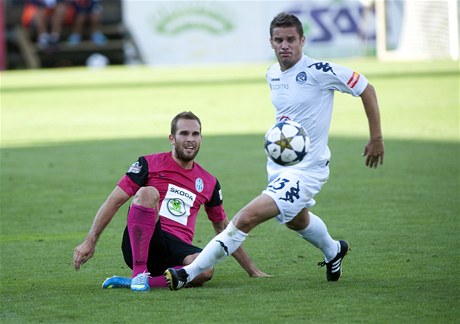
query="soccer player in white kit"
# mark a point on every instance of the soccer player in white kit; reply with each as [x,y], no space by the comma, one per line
[302,89]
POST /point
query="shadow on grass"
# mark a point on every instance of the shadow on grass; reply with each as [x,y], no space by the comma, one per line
[54,180]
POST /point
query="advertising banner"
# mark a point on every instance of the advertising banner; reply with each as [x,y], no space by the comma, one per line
[203,32]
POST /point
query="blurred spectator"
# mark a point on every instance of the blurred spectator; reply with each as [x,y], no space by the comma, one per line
[87,10]
[44,14]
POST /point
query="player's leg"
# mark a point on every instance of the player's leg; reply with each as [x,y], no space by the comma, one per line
[260,209]
[141,225]
[159,253]
[315,232]
[199,280]
[182,253]
[40,21]
[125,282]
[312,229]
[228,241]
[160,281]
[294,193]
[57,20]
[94,13]
[78,24]
[304,186]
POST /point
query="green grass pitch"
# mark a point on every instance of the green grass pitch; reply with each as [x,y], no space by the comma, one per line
[68,135]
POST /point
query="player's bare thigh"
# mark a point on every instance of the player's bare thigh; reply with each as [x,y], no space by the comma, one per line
[259,210]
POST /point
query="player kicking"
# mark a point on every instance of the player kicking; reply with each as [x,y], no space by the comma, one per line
[302,90]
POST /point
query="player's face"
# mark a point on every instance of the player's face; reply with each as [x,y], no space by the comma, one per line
[187,140]
[287,45]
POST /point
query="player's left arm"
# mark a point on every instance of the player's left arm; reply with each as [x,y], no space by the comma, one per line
[374,150]
[240,254]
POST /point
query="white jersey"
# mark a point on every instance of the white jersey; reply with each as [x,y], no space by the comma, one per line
[305,94]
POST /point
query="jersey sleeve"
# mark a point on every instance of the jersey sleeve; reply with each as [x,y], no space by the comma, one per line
[136,177]
[339,78]
[214,208]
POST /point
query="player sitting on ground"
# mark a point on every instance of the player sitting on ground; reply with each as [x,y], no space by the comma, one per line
[169,189]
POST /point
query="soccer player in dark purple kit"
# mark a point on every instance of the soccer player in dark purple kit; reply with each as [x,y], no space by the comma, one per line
[168,190]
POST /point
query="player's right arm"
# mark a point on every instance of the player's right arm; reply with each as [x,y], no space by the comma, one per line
[374,150]
[104,215]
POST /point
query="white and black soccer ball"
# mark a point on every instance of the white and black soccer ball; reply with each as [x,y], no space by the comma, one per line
[286,143]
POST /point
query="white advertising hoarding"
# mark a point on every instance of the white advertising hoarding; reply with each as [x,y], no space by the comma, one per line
[202,32]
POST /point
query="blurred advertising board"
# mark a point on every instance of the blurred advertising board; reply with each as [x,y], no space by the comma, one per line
[203,32]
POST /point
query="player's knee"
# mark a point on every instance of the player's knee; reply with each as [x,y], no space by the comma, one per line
[299,222]
[244,221]
[247,219]
[259,210]
[147,197]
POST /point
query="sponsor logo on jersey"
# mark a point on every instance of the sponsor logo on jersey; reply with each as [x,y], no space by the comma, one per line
[135,167]
[176,207]
[301,78]
[199,184]
[177,204]
[353,80]
[322,66]
[181,192]
[275,87]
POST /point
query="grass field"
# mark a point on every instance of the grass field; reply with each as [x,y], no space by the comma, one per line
[68,135]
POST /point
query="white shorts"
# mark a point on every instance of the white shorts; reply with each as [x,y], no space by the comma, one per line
[293,190]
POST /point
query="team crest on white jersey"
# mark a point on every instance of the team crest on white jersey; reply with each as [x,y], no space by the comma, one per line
[301,78]
[199,184]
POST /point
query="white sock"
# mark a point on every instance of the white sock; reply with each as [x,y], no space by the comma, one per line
[221,246]
[316,233]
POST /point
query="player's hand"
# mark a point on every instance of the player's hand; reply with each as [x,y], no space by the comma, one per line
[373,152]
[82,253]
[256,273]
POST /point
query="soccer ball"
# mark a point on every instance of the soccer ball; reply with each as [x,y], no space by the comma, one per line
[286,143]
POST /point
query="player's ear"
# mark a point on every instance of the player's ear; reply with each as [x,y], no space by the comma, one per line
[172,140]
[302,41]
